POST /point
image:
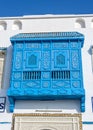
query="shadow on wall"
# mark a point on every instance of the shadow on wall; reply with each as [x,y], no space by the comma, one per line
[90,52]
[63,105]
[80,23]
[6,76]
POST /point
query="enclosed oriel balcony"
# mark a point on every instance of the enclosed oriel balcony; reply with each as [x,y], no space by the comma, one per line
[47,66]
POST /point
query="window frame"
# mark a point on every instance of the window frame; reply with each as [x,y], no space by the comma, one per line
[2,69]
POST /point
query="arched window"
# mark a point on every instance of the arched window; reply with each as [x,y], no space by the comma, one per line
[80,23]
[17,25]
[60,59]
[32,60]
[3,25]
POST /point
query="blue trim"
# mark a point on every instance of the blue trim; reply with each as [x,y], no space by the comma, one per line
[87,122]
[84,122]
[5,122]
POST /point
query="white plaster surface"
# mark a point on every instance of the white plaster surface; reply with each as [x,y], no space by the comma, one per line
[49,23]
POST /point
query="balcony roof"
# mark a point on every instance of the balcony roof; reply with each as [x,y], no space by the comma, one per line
[62,35]
[46,36]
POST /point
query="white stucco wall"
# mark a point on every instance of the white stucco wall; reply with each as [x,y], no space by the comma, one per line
[49,23]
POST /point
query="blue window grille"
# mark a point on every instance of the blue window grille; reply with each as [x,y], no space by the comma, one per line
[30,75]
[61,74]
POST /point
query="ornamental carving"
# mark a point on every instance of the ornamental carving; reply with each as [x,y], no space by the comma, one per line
[60,45]
[17,76]
[18,60]
[46,59]
[76,74]
[75,60]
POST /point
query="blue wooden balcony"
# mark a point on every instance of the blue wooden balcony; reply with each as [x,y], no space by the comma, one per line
[47,66]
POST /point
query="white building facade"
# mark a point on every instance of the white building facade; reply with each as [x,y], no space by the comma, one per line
[46,114]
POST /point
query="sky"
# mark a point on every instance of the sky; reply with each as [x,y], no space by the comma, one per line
[10,8]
